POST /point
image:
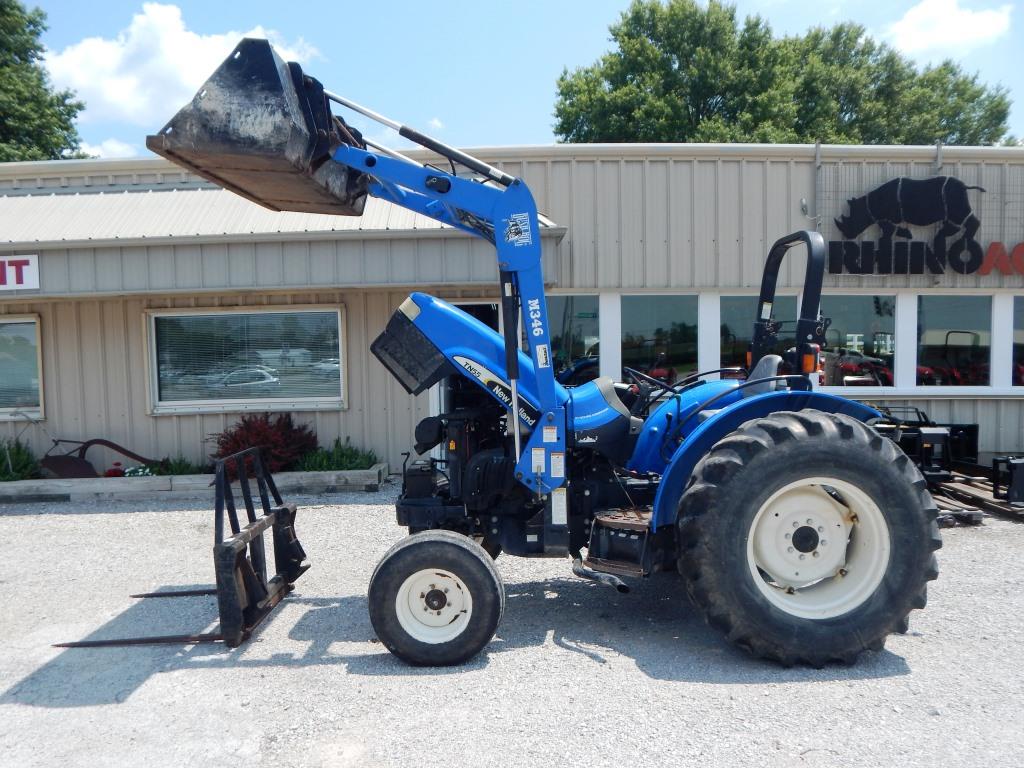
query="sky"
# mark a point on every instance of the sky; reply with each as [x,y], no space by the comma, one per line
[471,73]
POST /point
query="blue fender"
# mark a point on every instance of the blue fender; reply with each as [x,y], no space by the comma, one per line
[701,440]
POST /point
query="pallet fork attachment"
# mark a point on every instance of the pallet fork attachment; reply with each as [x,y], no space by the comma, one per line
[245,594]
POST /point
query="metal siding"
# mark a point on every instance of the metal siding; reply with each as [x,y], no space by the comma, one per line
[95,377]
[403,262]
[608,234]
[729,220]
[681,208]
[705,245]
[161,213]
[560,208]
[295,263]
[752,229]
[583,233]
[135,271]
[457,259]
[632,211]
[655,213]
[269,265]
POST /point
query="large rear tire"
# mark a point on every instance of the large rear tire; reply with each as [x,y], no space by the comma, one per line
[435,599]
[807,537]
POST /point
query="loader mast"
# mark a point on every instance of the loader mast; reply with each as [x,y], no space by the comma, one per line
[505,216]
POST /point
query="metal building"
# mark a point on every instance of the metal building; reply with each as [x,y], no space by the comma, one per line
[140,304]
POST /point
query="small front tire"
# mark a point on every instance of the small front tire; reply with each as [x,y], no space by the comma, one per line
[435,599]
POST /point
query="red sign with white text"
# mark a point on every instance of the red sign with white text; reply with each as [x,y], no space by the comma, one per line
[19,273]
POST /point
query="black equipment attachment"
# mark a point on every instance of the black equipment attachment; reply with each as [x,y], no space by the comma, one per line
[263,129]
[1012,491]
[947,455]
[245,594]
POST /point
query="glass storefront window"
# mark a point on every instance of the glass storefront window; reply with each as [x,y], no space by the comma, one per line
[1017,375]
[574,338]
[860,344]
[737,321]
[20,388]
[953,340]
[659,335]
[246,356]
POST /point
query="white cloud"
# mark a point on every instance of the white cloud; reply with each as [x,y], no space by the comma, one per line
[110,148]
[942,26]
[435,123]
[151,68]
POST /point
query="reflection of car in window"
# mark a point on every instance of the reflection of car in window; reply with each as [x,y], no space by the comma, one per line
[243,381]
[330,366]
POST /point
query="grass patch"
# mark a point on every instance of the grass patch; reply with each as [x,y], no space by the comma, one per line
[17,462]
[339,456]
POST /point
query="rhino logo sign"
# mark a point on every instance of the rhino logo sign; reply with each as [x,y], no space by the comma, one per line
[897,205]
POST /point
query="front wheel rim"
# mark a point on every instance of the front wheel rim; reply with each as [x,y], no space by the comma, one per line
[818,548]
[434,606]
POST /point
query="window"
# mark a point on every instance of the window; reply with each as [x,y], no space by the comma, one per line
[860,343]
[953,340]
[20,388]
[1018,341]
[573,321]
[231,358]
[659,335]
[737,327]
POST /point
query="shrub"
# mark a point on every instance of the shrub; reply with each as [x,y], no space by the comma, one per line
[17,462]
[339,456]
[179,465]
[280,441]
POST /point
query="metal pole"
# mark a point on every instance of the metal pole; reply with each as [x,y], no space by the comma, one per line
[426,141]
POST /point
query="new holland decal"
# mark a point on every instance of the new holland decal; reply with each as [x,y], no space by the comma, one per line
[499,388]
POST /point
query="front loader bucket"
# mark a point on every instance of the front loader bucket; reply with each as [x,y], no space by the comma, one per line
[264,130]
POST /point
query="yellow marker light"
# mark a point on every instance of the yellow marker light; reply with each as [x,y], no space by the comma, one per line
[451,445]
[809,360]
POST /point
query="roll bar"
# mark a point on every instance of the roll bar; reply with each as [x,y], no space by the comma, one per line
[810,328]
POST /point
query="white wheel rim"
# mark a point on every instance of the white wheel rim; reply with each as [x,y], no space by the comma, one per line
[816,554]
[434,606]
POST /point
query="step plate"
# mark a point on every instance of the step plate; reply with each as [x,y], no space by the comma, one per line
[636,519]
[618,567]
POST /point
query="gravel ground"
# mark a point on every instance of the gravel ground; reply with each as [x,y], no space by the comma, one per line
[578,674]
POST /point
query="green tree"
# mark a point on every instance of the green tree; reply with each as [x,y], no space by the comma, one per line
[36,121]
[680,72]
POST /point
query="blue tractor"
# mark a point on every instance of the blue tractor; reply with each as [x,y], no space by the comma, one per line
[795,528]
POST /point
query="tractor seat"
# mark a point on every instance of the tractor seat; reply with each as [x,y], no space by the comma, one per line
[766,367]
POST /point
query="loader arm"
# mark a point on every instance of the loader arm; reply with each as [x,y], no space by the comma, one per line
[262,128]
[507,218]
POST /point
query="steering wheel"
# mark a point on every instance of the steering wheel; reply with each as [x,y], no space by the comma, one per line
[643,378]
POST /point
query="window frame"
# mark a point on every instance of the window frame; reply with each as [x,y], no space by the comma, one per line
[157,407]
[905,361]
[688,292]
[37,414]
[858,393]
